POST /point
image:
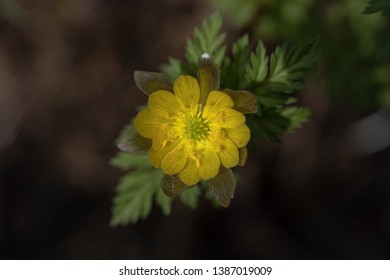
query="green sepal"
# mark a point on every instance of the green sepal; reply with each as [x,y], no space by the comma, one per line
[243,155]
[130,141]
[149,82]
[244,101]
[208,76]
[223,186]
[172,186]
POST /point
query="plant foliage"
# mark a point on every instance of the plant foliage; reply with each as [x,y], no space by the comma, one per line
[378,6]
[207,39]
[383,7]
[137,189]
[272,78]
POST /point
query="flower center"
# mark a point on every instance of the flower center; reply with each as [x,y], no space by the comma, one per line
[196,128]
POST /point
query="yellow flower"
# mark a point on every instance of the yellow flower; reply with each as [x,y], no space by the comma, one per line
[192,139]
[197,131]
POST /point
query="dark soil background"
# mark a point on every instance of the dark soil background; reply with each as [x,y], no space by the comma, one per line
[66,90]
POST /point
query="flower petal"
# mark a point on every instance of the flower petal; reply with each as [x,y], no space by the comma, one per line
[208,76]
[164,133]
[240,136]
[133,142]
[216,100]
[163,103]
[244,101]
[172,186]
[157,155]
[232,118]
[149,82]
[187,91]
[190,174]
[223,186]
[175,160]
[146,123]
[227,152]
[226,118]
[209,162]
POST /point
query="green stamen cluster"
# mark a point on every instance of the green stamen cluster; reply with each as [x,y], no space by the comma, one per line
[197,128]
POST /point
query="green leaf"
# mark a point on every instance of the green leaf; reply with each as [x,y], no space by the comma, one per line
[269,126]
[126,161]
[297,116]
[270,99]
[234,68]
[174,68]
[384,53]
[134,196]
[289,67]
[191,196]
[375,6]
[257,69]
[208,40]
[383,6]
[164,202]
[272,123]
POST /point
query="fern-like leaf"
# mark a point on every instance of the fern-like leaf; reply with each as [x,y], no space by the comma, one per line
[376,6]
[234,67]
[207,39]
[190,197]
[289,67]
[297,116]
[134,198]
[257,69]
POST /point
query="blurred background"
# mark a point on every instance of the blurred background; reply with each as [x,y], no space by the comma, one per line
[66,90]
